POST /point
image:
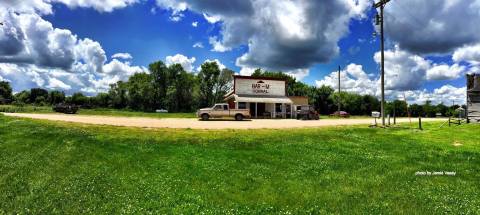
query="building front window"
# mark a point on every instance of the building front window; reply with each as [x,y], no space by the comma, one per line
[278,107]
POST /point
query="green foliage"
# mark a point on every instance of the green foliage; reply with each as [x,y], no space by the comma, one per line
[6,96]
[38,96]
[51,167]
[79,99]
[140,92]
[56,97]
[208,78]
[22,97]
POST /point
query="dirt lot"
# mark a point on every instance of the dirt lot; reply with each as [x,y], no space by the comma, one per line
[197,124]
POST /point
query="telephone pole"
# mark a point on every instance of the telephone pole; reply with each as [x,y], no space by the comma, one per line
[379,21]
[339,91]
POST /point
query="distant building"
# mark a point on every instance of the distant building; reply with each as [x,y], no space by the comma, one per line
[264,97]
[473,97]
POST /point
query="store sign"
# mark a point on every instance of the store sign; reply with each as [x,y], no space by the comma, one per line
[259,87]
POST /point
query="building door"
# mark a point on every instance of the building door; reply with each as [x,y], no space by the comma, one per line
[261,110]
[252,109]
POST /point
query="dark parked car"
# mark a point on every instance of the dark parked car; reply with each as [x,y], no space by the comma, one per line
[340,114]
[307,112]
[65,108]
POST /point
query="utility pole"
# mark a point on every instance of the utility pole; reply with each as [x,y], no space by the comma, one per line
[339,91]
[379,20]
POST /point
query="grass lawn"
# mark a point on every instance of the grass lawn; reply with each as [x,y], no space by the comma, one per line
[54,167]
[95,111]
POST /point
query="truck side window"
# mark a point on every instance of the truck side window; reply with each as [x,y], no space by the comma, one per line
[242,105]
[217,107]
[225,107]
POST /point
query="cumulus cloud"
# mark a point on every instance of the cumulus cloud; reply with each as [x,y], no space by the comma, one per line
[45,6]
[445,72]
[125,56]
[437,26]
[217,46]
[352,79]
[280,35]
[468,53]
[35,54]
[182,60]
[403,70]
[195,24]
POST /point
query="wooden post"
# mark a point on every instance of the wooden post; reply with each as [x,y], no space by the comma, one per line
[449,118]
[420,123]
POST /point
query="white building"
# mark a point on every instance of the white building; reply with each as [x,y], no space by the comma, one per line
[264,97]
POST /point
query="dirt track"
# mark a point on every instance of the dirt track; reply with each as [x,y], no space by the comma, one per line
[197,124]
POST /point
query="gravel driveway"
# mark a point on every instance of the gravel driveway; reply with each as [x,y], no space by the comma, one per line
[197,124]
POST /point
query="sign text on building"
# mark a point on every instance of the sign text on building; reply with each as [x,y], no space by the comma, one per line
[245,86]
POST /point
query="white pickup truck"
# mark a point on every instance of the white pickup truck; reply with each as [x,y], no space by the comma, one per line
[221,111]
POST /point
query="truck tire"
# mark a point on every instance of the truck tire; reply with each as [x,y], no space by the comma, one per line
[239,117]
[205,117]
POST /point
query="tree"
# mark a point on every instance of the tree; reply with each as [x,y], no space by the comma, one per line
[5,92]
[224,84]
[55,97]
[369,104]
[181,89]
[140,92]
[429,109]
[38,96]
[118,94]
[22,98]
[159,73]
[80,99]
[101,100]
[442,109]
[208,78]
[320,98]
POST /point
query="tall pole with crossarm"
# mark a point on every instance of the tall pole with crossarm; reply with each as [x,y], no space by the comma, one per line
[379,21]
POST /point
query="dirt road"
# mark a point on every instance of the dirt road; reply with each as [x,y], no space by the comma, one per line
[197,124]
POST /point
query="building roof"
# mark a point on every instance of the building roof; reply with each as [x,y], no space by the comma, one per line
[258,78]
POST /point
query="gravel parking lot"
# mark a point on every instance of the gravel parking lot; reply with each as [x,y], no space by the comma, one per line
[197,124]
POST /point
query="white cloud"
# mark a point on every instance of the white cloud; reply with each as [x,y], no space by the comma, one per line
[45,6]
[182,60]
[281,35]
[195,24]
[469,53]
[438,26]
[101,6]
[403,71]
[445,72]
[217,46]
[198,45]
[211,19]
[125,56]
[352,79]
[35,54]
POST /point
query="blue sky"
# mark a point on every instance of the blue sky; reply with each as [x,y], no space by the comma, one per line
[305,39]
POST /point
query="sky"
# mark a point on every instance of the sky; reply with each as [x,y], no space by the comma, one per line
[85,45]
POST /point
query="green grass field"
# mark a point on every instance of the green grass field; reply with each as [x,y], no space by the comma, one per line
[52,167]
[95,111]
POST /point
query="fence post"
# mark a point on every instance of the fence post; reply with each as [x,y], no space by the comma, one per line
[420,123]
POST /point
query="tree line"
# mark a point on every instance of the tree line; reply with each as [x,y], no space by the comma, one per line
[176,90]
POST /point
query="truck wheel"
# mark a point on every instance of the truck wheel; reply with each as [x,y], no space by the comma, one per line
[205,117]
[239,117]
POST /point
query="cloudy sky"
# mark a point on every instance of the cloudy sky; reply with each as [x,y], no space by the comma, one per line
[85,45]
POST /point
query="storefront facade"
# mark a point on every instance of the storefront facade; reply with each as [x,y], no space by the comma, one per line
[264,97]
